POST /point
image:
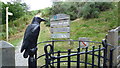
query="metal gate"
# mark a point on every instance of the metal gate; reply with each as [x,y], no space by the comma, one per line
[94,56]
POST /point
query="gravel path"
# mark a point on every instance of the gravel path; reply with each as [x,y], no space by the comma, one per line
[19,60]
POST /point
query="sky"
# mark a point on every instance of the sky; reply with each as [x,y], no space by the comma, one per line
[35,4]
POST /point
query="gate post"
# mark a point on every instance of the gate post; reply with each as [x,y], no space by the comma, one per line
[7,55]
[32,60]
[112,38]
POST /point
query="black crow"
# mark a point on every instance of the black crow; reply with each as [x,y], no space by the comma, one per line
[30,37]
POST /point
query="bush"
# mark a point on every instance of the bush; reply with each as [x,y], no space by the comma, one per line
[47,23]
[92,10]
[103,6]
[70,8]
[18,9]
[89,11]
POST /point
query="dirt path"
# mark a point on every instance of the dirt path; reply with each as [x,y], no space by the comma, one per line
[19,60]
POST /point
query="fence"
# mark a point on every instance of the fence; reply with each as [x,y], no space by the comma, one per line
[93,57]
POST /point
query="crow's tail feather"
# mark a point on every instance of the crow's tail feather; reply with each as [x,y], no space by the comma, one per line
[25,55]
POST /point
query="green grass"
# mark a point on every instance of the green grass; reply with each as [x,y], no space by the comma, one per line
[96,28]
[15,42]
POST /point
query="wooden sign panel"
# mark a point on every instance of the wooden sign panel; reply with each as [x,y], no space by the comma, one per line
[60,23]
[59,17]
[60,35]
[64,29]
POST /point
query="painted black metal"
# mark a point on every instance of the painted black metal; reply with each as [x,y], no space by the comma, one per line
[105,53]
[99,56]
[78,58]
[66,41]
[50,55]
[58,60]
[32,62]
[111,57]
[86,57]
[93,58]
[69,58]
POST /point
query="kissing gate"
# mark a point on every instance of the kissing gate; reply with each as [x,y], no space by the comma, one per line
[94,56]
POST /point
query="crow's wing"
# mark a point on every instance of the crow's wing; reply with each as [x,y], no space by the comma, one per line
[30,36]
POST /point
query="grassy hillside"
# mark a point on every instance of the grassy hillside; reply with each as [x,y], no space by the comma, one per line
[96,28]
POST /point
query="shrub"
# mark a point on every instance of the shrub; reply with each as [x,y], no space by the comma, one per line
[47,23]
[92,9]
[89,11]
[103,5]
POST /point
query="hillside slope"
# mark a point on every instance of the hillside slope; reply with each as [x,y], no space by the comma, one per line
[96,28]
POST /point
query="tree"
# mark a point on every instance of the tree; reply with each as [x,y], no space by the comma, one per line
[17,8]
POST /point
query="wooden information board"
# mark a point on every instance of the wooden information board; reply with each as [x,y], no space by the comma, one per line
[60,26]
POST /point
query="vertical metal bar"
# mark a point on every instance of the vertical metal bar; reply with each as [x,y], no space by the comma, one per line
[58,60]
[111,58]
[104,59]
[46,62]
[53,46]
[32,62]
[93,56]
[105,54]
[53,52]
[99,56]
[79,44]
[69,51]
[86,57]
[78,58]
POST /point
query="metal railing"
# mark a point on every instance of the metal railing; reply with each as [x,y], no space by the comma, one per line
[54,58]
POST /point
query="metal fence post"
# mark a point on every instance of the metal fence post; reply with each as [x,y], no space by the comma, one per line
[32,62]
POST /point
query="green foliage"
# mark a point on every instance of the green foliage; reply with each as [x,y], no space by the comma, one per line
[15,26]
[70,8]
[89,11]
[18,9]
[34,12]
[47,23]
[0,12]
[46,12]
[93,9]
[119,12]
[77,9]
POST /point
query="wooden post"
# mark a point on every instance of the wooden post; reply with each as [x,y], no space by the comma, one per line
[112,38]
[7,23]
[7,13]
